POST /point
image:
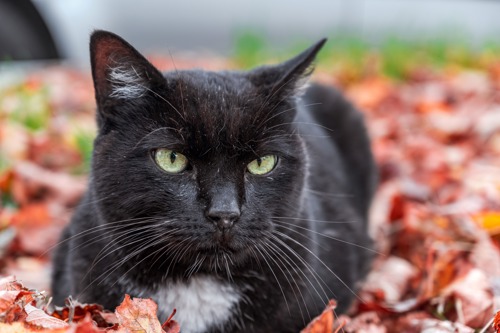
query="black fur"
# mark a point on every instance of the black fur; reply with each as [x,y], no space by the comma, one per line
[222,121]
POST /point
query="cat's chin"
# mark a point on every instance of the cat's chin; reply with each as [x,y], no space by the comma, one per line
[225,263]
[231,253]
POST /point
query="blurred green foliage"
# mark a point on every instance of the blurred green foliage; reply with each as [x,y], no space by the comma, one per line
[29,107]
[394,57]
[84,141]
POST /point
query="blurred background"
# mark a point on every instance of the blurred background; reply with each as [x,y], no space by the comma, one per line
[60,29]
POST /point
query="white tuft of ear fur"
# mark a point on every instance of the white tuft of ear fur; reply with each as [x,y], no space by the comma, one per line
[301,86]
[126,83]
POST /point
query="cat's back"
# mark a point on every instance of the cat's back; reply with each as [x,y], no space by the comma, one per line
[340,157]
[341,181]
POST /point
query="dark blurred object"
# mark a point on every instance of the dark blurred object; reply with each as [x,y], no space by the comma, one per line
[23,33]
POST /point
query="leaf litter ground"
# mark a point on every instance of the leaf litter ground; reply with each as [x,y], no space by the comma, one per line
[435,218]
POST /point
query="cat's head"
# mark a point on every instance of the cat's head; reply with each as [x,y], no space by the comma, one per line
[195,163]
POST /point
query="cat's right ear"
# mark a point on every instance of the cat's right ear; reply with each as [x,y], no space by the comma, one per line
[119,71]
[289,77]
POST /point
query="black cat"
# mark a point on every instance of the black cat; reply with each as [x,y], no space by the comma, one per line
[239,198]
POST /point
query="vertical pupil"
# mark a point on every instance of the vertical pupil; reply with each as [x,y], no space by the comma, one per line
[173,156]
[259,161]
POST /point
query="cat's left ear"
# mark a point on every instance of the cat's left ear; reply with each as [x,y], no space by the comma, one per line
[118,69]
[288,77]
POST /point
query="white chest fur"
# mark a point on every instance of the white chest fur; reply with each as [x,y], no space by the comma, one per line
[201,303]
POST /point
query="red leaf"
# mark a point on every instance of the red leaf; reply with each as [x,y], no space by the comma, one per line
[76,312]
[170,325]
[496,322]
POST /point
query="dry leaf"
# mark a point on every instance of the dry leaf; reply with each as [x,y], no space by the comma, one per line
[473,298]
[389,281]
[170,325]
[324,322]
[38,318]
[138,315]
[439,326]
[19,327]
[496,322]
[368,322]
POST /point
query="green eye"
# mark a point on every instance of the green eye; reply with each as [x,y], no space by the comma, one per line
[262,165]
[170,161]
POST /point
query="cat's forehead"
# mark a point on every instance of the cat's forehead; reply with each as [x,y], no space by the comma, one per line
[203,97]
[201,83]
[220,110]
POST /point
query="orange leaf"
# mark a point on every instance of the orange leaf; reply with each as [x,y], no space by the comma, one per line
[6,180]
[324,322]
[138,315]
[36,214]
[489,221]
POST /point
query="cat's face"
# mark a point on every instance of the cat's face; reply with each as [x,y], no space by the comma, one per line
[196,164]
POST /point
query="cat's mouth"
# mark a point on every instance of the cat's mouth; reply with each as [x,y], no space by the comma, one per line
[224,238]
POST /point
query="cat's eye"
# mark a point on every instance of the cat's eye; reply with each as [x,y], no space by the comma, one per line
[262,165]
[170,161]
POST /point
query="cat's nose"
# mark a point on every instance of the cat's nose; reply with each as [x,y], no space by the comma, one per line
[223,208]
[223,219]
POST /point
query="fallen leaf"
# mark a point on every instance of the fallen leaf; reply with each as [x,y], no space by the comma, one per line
[489,221]
[370,92]
[390,281]
[496,322]
[13,298]
[19,327]
[138,315]
[367,322]
[32,215]
[439,326]
[38,226]
[324,322]
[87,325]
[75,312]
[473,298]
[170,325]
[34,182]
[38,318]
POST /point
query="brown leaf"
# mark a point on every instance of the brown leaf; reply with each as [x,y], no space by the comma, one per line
[75,312]
[138,315]
[51,152]
[87,325]
[34,182]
